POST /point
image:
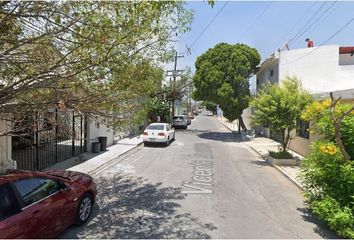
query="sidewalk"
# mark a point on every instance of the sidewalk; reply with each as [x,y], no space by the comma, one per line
[91,162]
[262,146]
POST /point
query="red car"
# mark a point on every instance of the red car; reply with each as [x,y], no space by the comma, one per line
[43,204]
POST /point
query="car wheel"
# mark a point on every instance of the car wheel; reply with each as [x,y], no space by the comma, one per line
[84,209]
[167,141]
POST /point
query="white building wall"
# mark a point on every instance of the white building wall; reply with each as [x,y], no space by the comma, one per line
[5,145]
[97,129]
[346,59]
[317,68]
[264,76]
[247,117]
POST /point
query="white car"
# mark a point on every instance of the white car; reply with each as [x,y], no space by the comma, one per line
[158,133]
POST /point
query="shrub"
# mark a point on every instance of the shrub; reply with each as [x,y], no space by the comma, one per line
[281,155]
[319,114]
[328,181]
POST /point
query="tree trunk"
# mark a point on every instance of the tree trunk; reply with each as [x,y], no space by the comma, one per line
[339,141]
[241,123]
[286,139]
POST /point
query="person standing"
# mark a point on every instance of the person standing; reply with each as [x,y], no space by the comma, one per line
[309,43]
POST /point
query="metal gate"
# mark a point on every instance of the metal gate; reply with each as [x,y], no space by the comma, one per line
[276,135]
[54,137]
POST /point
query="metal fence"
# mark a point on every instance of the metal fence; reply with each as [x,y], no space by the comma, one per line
[58,136]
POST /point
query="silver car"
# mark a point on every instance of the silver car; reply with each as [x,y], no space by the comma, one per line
[180,121]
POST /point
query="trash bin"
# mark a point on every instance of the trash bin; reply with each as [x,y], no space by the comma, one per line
[96,147]
[103,141]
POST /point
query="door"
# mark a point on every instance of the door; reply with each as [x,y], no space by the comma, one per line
[44,203]
[13,222]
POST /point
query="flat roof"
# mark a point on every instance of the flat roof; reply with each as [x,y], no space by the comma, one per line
[344,50]
[344,94]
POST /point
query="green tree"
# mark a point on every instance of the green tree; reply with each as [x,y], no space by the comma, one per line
[158,107]
[281,106]
[210,106]
[222,75]
[98,58]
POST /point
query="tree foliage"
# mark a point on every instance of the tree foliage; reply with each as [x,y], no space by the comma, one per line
[323,115]
[328,173]
[210,106]
[222,75]
[280,106]
[98,58]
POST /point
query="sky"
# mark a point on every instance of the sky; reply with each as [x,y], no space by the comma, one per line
[266,25]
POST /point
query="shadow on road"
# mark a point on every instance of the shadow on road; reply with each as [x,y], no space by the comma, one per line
[157,144]
[133,208]
[222,136]
[321,227]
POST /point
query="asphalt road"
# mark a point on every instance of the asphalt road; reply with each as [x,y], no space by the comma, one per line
[206,184]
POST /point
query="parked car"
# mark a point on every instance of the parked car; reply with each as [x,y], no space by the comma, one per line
[209,113]
[180,121]
[189,120]
[158,133]
[191,115]
[43,204]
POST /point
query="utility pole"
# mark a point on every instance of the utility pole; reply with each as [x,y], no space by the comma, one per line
[175,74]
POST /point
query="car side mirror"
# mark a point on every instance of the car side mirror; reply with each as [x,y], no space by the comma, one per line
[64,187]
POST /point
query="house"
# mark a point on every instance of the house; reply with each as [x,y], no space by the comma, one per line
[301,139]
[320,69]
[69,135]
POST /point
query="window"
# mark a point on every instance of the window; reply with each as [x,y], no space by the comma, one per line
[271,73]
[303,129]
[156,127]
[35,189]
[8,202]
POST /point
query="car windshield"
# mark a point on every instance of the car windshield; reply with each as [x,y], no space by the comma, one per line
[178,118]
[156,127]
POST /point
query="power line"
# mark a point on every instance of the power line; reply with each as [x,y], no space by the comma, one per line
[212,20]
[332,36]
[308,21]
[293,27]
[254,23]
[316,20]
[338,3]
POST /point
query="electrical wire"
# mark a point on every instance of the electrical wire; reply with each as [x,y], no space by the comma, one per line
[255,21]
[317,19]
[339,3]
[207,26]
[308,21]
[332,36]
[293,27]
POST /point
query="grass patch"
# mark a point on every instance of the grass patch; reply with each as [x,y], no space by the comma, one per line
[281,155]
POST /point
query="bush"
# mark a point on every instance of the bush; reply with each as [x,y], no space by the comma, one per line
[328,182]
[281,155]
[319,114]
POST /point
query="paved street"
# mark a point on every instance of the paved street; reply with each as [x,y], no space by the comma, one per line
[204,185]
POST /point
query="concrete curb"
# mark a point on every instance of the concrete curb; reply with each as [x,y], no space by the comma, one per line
[288,176]
[112,161]
[282,171]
